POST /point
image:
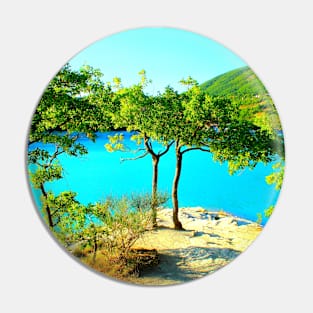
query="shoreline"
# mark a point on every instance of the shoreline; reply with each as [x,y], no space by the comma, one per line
[206,214]
[219,212]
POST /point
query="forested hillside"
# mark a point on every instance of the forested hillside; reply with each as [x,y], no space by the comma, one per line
[243,84]
[239,81]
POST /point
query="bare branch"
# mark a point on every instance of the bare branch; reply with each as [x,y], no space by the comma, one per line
[136,151]
[134,158]
[54,156]
[54,212]
[148,145]
[196,148]
[166,150]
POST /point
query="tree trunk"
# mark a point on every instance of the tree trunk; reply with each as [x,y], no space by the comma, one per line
[42,188]
[95,249]
[155,163]
[179,157]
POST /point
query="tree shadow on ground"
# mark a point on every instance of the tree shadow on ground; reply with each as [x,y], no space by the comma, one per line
[182,265]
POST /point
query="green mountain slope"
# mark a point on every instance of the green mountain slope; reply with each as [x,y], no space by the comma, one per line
[236,82]
[243,84]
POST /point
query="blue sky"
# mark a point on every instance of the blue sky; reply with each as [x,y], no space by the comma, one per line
[167,55]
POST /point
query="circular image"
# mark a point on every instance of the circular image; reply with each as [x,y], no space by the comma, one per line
[155,156]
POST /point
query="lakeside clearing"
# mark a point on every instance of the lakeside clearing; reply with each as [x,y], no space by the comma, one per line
[210,241]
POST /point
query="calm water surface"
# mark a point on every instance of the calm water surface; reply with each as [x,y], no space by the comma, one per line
[203,182]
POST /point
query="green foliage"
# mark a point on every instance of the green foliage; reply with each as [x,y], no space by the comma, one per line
[116,143]
[72,102]
[229,127]
[219,125]
[276,178]
[268,212]
[125,225]
[68,108]
[117,223]
[46,168]
[137,138]
[151,202]
[259,218]
[69,216]
[112,226]
[232,117]
[241,81]
[140,114]
[45,174]
[243,85]
[145,200]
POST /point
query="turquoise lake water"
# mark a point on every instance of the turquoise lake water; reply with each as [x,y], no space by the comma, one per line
[203,182]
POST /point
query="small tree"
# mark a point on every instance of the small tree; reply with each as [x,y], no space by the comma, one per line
[48,169]
[216,125]
[69,216]
[67,109]
[139,113]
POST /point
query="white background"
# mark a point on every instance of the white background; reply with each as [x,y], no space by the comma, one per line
[274,38]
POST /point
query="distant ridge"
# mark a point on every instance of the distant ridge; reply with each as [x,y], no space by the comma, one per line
[241,81]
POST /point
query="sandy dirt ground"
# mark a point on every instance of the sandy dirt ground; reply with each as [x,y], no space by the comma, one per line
[210,241]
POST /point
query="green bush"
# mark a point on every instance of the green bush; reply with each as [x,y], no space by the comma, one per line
[115,224]
[124,222]
[145,201]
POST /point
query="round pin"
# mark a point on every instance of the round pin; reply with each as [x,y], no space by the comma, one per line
[155,156]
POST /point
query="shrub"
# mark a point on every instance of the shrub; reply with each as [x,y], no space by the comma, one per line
[124,223]
[111,229]
[116,224]
[145,200]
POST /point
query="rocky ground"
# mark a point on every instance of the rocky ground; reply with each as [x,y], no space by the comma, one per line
[210,241]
